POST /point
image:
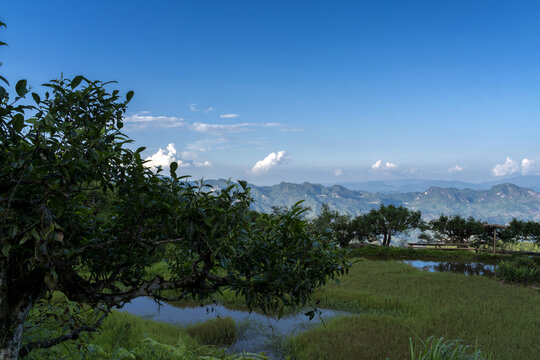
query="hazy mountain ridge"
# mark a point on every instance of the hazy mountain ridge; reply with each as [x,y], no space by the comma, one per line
[499,204]
[419,185]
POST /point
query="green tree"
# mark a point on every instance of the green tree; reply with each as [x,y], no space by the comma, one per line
[456,229]
[388,221]
[520,230]
[81,215]
[331,226]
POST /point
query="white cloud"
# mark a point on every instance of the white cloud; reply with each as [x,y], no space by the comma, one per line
[203,164]
[378,165]
[455,169]
[509,167]
[338,172]
[229,116]
[218,129]
[271,160]
[528,166]
[193,107]
[142,120]
[162,158]
[209,110]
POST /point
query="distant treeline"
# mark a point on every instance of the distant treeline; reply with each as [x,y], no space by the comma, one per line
[386,222]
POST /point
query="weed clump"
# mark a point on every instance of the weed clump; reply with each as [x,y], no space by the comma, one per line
[219,332]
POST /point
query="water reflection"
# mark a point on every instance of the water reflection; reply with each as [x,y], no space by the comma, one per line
[466,268]
[255,332]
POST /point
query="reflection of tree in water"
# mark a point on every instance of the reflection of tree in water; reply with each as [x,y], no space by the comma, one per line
[465,268]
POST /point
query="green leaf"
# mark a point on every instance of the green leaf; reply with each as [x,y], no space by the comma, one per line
[18,122]
[141,149]
[4,79]
[20,88]
[129,95]
[36,98]
[76,81]
[174,166]
[6,248]
[35,234]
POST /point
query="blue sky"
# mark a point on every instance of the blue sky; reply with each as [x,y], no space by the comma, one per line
[320,91]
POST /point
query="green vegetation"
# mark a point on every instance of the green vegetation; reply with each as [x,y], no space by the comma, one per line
[521,269]
[125,336]
[220,331]
[373,251]
[393,302]
[82,215]
[379,224]
[439,349]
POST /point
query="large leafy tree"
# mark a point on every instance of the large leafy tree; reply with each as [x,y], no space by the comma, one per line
[456,229]
[388,221]
[81,216]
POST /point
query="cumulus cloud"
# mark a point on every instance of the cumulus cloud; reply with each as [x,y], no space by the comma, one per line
[229,116]
[509,167]
[455,169]
[378,165]
[163,158]
[528,166]
[271,160]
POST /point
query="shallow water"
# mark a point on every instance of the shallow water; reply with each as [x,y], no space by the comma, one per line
[256,332]
[465,268]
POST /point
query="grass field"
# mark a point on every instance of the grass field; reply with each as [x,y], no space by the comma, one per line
[393,301]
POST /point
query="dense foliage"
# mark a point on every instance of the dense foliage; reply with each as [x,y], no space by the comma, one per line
[379,224]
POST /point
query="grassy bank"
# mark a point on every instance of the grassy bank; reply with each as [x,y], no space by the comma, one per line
[394,302]
[374,251]
[126,336]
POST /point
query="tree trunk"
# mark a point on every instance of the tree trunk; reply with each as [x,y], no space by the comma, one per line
[389,240]
[386,239]
[11,334]
[16,301]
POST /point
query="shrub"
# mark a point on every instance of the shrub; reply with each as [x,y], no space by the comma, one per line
[519,270]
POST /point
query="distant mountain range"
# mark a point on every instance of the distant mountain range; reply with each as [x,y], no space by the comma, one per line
[498,204]
[412,185]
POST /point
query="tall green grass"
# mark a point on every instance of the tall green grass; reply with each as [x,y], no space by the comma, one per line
[393,302]
[219,331]
[441,349]
[127,337]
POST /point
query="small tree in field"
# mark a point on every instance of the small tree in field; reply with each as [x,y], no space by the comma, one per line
[81,215]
